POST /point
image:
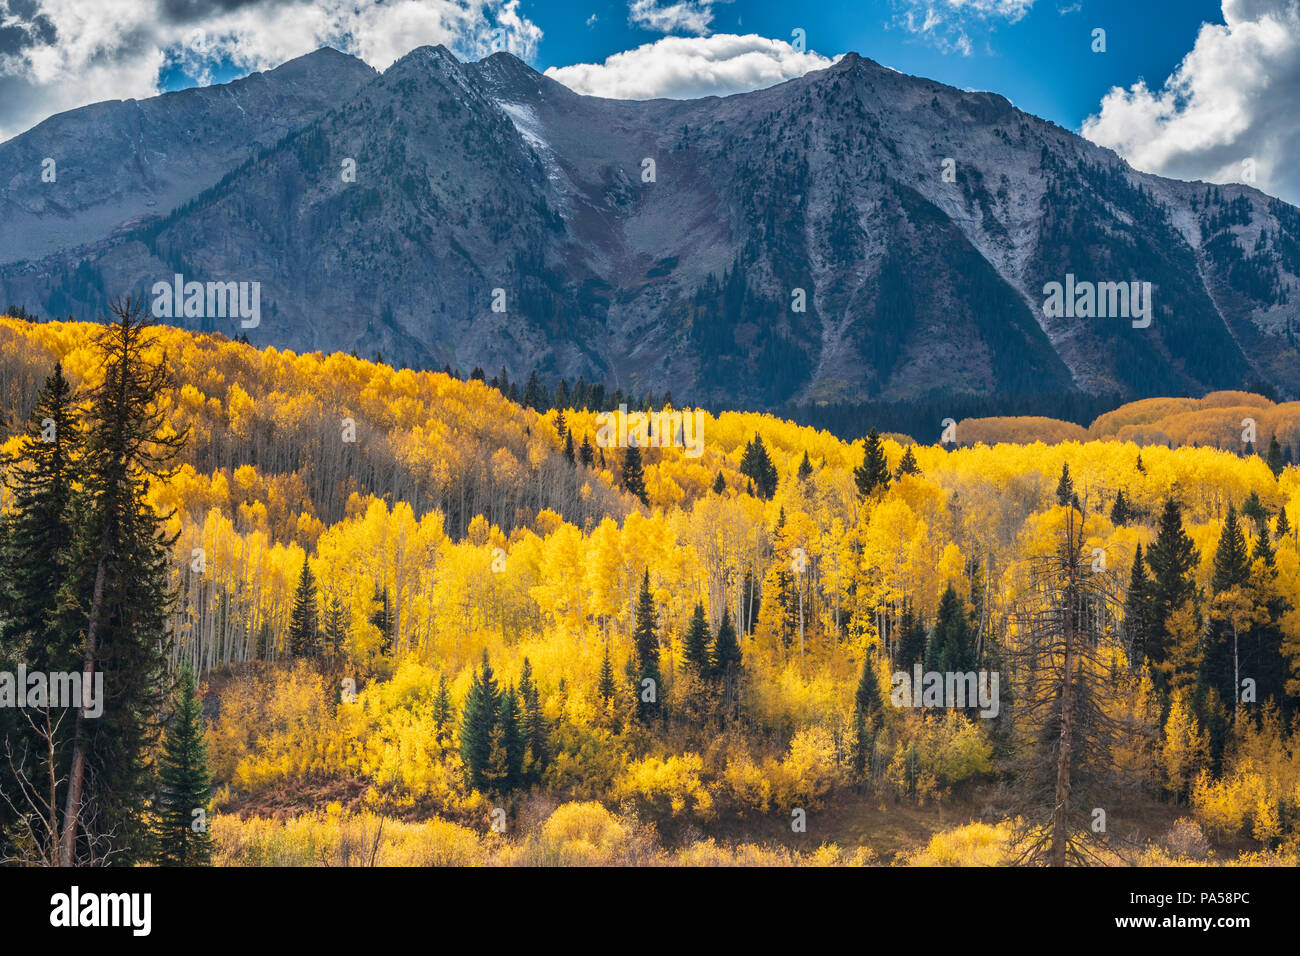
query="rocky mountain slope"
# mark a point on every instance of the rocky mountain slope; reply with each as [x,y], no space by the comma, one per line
[833,191]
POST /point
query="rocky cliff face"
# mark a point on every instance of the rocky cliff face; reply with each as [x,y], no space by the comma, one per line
[854,233]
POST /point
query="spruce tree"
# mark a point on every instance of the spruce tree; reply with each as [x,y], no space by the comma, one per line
[866,720]
[695,646]
[908,465]
[805,467]
[304,636]
[605,686]
[568,448]
[382,618]
[953,643]
[1138,623]
[536,733]
[1172,559]
[757,465]
[121,596]
[1065,487]
[335,629]
[873,474]
[585,453]
[726,649]
[645,641]
[634,474]
[719,484]
[478,721]
[911,637]
[36,539]
[506,746]
[1120,514]
[1274,459]
[442,708]
[181,836]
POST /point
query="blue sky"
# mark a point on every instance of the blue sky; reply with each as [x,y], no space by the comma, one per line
[1043,63]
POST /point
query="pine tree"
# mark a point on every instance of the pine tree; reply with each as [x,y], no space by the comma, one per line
[506,745]
[866,719]
[695,646]
[634,474]
[382,618]
[1138,623]
[757,465]
[585,453]
[181,836]
[568,448]
[645,641]
[726,649]
[1120,514]
[908,465]
[1283,526]
[605,685]
[121,596]
[478,721]
[952,645]
[442,708]
[805,467]
[873,474]
[719,484]
[536,733]
[335,629]
[36,539]
[1274,459]
[303,633]
[1065,487]
[911,637]
[1172,559]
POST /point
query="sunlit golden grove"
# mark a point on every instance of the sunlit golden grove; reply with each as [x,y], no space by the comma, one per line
[422,634]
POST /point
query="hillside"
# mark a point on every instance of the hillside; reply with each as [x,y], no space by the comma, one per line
[454,535]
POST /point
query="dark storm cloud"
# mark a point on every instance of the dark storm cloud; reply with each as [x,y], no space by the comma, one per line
[31,29]
[187,11]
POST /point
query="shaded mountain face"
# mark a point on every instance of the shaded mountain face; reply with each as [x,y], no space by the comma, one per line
[856,233]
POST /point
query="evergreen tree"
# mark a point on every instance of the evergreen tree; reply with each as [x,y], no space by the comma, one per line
[605,685]
[1274,459]
[568,448]
[726,649]
[908,465]
[695,647]
[303,632]
[181,836]
[478,721]
[536,733]
[719,484]
[382,618]
[36,539]
[873,474]
[1138,622]
[1283,526]
[335,629]
[866,719]
[442,708]
[585,453]
[952,644]
[1120,515]
[911,638]
[1065,487]
[645,641]
[1172,560]
[805,467]
[121,598]
[757,465]
[634,474]
[1253,509]
[506,746]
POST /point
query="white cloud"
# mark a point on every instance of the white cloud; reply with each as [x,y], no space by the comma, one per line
[688,67]
[947,24]
[683,16]
[1232,98]
[60,54]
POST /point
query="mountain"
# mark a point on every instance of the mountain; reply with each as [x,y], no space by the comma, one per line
[117,162]
[475,177]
